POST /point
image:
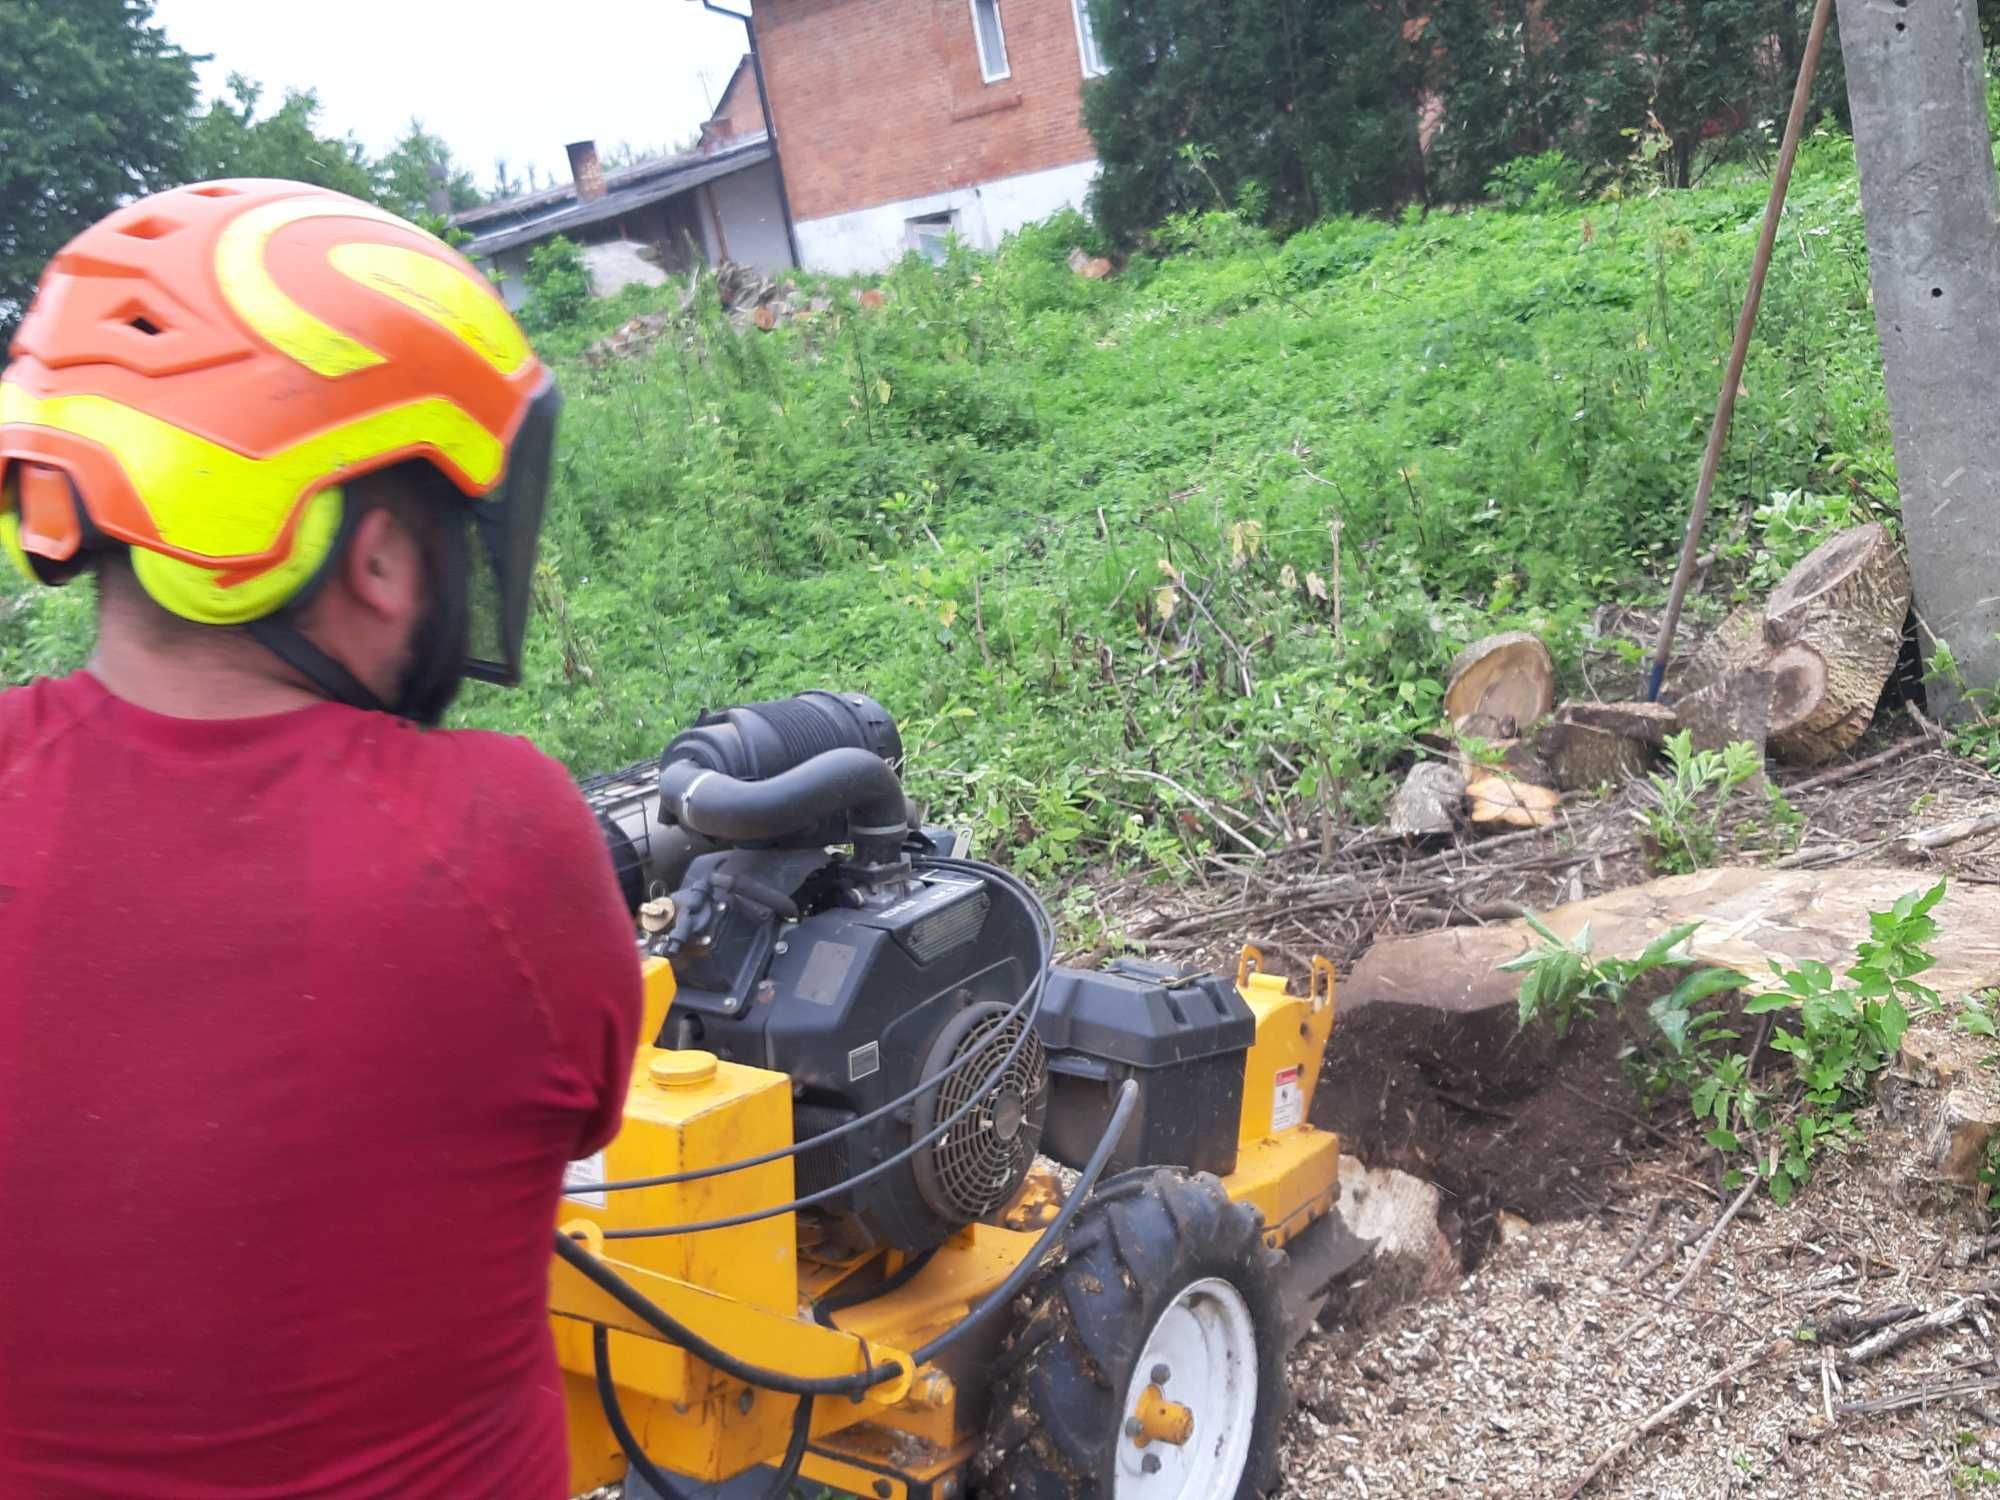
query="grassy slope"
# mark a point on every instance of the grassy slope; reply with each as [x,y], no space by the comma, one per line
[1505,410]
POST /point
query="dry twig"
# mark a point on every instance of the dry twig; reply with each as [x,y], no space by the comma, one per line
[1673,1408]
[1707,1246]
[1894,1337]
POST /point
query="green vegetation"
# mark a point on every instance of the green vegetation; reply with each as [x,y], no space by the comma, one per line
[1837,1034]
[1080,535]
[1687,806]
[558,286]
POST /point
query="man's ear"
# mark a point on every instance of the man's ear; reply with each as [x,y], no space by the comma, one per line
[384,567]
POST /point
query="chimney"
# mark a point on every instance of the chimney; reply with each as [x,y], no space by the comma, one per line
[586,169]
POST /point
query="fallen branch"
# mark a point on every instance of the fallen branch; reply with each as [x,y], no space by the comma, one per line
[1707,1246]
[1844,1327]
[1878,1344]
[1923,1395]
[1947,834]
[1861,767]
[1673,1408]
[1195,797]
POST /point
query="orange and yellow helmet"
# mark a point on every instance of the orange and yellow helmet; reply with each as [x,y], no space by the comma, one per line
[202,371]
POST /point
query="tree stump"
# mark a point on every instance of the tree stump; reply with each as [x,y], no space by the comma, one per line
[1506,680]
[1581,756]
[1651,723]
[1430,801]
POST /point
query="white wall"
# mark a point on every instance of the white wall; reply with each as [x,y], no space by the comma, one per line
[753,223]
[871,238]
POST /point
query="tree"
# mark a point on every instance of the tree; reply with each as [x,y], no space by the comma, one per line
[1686,70]
[93,105]
[419,163]
[228,140]
[1296,108]
[1490,67]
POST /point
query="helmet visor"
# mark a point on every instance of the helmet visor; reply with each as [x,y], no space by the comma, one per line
[507,526]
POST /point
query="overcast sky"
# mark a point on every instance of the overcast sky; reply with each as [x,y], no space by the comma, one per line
[512,78]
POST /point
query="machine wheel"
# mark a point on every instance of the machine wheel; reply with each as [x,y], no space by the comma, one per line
[1149,1363]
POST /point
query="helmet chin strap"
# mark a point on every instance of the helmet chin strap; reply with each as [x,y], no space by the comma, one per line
[437,650]
[283,639]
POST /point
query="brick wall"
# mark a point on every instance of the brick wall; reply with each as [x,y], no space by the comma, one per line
[881,100]
[737,113]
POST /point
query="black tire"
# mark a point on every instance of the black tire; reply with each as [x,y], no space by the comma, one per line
[1057,1420]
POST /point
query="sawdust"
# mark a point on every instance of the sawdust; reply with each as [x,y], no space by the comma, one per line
[1549,1353]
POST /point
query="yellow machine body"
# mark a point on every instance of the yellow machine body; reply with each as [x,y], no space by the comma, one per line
[748,1289]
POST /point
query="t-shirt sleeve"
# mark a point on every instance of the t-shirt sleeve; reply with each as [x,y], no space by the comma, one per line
[575,936]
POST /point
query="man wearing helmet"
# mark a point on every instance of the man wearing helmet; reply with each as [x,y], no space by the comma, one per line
[291,992]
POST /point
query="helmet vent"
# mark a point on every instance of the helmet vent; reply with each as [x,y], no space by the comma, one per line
[151,227]
[214,190]
[136,314]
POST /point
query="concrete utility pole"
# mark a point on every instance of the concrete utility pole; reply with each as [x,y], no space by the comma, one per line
[1916,82]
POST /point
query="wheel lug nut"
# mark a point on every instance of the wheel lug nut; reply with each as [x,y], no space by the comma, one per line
[1161,1374]
[1150,1463]
[1133,1427]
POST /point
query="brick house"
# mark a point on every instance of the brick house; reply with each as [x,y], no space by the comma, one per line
[899,122]
[738,115]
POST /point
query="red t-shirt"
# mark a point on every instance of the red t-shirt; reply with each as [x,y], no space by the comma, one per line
[300,1018]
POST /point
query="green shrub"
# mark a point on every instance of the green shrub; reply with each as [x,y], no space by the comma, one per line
[1546,180]
[558,285]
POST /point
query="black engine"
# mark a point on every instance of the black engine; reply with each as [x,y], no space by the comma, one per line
[858,974]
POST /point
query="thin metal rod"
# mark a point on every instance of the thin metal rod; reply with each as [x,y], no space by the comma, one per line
[1725,406]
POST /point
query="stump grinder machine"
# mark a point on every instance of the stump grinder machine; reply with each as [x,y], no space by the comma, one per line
[900,1207]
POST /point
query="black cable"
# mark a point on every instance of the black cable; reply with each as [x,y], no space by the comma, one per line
[607,1397]
[635,1454]
[674,1331]
[824,1309]
[1037,913]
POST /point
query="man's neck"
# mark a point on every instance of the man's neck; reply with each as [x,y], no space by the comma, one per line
[222,676]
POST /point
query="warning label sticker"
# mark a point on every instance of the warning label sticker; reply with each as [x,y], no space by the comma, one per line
[1288,1100]
[585,1174]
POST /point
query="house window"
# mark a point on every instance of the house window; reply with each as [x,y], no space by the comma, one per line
[930,236]
[1086,42]
[992,41]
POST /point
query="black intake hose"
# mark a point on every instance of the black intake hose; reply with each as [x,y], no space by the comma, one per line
[845,781]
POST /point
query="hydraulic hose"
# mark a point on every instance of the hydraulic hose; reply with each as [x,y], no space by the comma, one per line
[673,1331]
[635,1453]
[847,780]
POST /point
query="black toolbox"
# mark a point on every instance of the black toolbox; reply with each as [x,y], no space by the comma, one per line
[1182,1037]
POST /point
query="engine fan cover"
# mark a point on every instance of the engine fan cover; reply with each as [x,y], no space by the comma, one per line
[977,1166]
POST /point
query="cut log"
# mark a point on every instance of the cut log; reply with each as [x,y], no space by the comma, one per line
[1736,707]
[1650,722]
[1430,801]
[1738,642]
[1846,601]
[1508,679]
[1502,799]
[1580,756]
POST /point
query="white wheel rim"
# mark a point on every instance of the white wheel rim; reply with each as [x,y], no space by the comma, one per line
[1208,1343]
